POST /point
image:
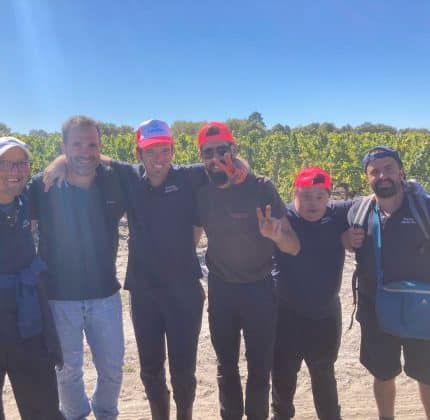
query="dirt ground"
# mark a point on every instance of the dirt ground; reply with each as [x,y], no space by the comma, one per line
[354,383]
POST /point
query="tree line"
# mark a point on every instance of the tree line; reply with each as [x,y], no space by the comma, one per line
[277,152]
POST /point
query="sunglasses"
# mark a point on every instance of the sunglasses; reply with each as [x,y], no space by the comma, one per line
[7,165]
[209,152]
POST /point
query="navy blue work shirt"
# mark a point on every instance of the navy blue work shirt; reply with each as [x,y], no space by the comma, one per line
[162,251]
[79,235]
[309,283]
[405,251]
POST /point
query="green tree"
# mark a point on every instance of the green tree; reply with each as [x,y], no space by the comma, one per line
[4,130]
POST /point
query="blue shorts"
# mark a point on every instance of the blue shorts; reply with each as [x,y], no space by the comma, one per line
[380,352]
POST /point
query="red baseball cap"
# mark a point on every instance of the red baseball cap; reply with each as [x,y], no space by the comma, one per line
[214,131]
[313,177]
[153,132]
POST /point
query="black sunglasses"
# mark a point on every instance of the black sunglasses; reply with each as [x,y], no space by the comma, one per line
[209,152]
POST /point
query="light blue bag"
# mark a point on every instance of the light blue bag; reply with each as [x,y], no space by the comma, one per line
[402,307]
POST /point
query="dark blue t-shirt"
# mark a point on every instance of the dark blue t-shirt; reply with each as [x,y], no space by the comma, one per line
[79,235]
[162,251]
[309,283]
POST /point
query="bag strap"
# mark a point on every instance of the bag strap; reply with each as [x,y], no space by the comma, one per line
[354,293]
[416,194]
[377,244]
[420,194]
[362,212]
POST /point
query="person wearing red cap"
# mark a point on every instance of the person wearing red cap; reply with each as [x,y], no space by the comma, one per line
[242,222]
[163,270]
[309,312]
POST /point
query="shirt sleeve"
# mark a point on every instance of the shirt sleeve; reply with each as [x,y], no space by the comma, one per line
[127,174]
[272,197]
[33,191]
[122,169]
[341,209]
[196,175]
[352,212]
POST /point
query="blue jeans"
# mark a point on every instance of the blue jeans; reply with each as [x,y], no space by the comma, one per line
[101,321]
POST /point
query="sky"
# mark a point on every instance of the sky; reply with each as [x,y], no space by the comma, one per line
[294,61]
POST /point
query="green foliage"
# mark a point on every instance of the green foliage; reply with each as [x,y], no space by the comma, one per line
[278,152]
[44,149]
[4,130]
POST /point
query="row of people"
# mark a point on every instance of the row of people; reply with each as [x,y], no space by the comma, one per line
[167,206]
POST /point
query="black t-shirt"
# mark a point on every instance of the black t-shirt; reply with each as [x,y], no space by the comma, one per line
[79,235]
[404,254]
[16,253]
[237,252]
[309,283]
[162,252]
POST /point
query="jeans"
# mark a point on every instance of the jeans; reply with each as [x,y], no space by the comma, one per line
[172,315]
[317,343]
[101,321]
[32,376]
[250,308]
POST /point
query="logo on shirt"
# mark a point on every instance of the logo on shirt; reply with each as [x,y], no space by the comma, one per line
[325,220]
[408,221]
[239,215]
[110,202]
[170,188]
[25,224]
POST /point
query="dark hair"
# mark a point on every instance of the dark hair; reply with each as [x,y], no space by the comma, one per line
[78,121]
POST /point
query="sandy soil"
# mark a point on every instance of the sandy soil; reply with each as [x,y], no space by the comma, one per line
[354,383]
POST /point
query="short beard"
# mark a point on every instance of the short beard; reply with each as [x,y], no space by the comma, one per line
[218,178]
[385,192]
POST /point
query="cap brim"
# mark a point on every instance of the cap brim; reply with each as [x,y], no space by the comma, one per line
[145,143]
[4,149]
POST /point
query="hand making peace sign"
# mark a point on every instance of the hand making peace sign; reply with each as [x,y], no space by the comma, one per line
[270,227]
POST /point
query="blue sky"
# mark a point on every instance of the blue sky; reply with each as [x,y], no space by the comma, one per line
[296,62]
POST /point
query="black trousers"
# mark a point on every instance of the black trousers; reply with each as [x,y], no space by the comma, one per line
[250,308]
[173,315]
[31,372]
[317,343]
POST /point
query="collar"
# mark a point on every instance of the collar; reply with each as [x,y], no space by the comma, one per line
[162,186]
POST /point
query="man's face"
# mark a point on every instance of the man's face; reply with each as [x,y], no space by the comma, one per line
[82,149]
[385,177]
[157,161]
[13,179]
[213,152]
[311,203]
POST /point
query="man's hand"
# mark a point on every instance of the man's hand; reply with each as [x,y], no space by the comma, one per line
[56,171]
[279,231]
[236,170]
[270,227]
[352,238]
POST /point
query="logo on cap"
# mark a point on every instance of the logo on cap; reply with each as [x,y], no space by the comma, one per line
[152,133]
